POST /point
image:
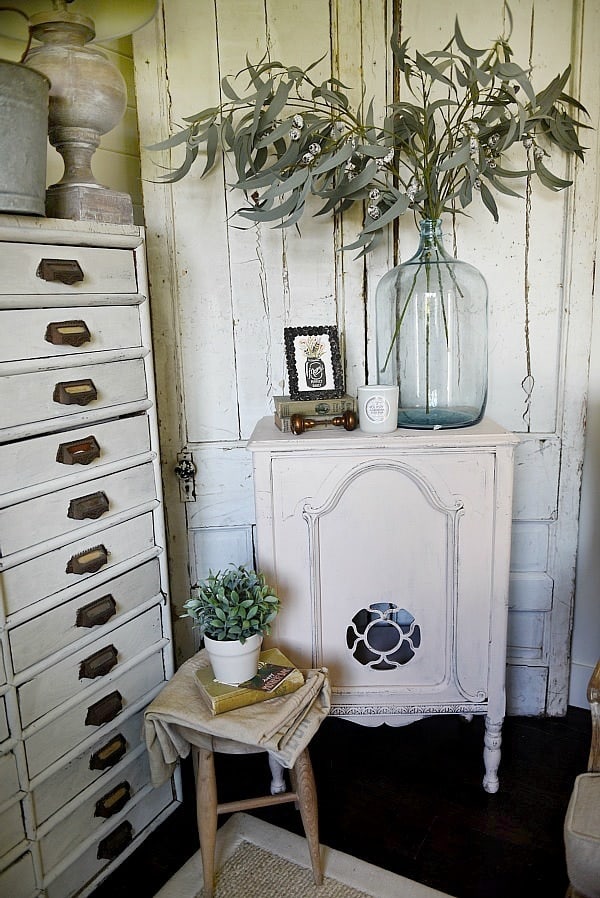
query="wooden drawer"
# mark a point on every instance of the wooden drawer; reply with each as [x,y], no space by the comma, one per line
[76,453]
[104,270]
[111,752]
[9,777]
[27,398]
[70,621]
[46,333]
[27,583]
[4,728]
[87,865]
[87,666]
[100,806]
[12,827]
[18,880]
[46,742]
[65,511]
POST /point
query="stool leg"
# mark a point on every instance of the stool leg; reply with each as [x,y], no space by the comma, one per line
[206,815]
[303,782]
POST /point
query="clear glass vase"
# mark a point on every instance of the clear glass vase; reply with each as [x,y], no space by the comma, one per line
[431,336]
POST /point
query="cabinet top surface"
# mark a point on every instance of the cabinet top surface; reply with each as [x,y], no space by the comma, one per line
[37,229]
[487,434]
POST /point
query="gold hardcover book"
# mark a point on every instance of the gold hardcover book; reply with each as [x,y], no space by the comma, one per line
[276,676]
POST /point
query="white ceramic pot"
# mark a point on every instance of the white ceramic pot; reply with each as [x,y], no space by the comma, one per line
[233,662]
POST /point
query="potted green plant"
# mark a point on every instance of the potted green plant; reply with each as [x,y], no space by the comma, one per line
[233,609]
[462,114]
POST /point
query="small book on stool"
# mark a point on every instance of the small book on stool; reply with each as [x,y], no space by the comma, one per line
[276,676]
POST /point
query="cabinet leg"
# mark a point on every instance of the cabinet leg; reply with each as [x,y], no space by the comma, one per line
[278,783]
[491,754]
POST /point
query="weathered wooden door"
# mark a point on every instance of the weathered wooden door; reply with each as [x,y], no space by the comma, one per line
[222,295]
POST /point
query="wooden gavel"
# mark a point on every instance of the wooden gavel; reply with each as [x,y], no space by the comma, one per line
[299,424]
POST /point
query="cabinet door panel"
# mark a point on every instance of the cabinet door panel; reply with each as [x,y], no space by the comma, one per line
[383,563]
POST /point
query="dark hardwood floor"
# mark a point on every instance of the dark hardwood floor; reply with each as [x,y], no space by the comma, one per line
[410,800]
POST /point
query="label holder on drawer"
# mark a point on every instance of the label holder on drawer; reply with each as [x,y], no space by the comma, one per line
[80,452]
[62,271]
[110,754]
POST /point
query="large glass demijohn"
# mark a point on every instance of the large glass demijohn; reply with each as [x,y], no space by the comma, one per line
[431,336]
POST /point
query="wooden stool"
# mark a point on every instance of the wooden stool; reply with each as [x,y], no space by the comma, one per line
[208,808]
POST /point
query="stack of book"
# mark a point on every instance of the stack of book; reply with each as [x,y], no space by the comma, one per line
[285,407]
[276,676]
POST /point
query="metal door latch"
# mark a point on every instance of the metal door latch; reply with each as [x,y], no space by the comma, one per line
[186,471]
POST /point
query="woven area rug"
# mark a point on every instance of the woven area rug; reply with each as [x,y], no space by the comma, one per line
[257,860]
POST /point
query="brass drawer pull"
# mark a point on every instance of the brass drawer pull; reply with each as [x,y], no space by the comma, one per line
[98,664]
[95,613]
[110,754]
[75,392]
[88,562]
[115,842]
[104,710]
[93,506]
[63,271]
[81,452]
[67,333]
[114,801]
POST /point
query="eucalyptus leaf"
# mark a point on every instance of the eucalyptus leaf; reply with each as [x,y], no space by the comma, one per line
[174,141]
[397,209]
[462,44]
[553,182]
[489,201]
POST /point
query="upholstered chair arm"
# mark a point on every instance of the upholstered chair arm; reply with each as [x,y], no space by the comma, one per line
[593,695]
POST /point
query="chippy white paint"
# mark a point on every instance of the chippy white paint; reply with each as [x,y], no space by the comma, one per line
[221,295]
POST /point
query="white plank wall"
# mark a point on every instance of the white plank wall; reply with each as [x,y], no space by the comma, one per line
[222,295]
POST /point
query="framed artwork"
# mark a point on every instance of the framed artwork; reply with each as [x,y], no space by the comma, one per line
[314,364]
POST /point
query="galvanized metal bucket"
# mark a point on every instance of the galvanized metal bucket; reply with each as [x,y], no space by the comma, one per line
[23,138]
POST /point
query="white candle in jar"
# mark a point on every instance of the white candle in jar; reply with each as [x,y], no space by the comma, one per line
[378,408]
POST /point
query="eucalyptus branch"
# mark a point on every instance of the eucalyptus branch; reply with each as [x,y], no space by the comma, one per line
[428,156]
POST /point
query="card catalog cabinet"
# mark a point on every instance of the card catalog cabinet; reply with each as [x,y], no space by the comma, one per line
[85,638]
[391,555]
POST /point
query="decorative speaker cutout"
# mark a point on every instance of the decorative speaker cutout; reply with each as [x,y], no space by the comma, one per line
[383,636]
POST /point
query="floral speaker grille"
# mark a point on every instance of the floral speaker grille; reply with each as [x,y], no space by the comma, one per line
[383,636]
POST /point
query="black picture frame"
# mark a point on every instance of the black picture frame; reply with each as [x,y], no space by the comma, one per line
[324,378]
